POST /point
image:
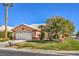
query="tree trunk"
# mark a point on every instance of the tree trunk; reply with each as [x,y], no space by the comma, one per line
[56,36]
[50,38]
[49,35]
[41,34]
[6,21]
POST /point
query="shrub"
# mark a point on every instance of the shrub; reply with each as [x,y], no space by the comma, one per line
[42,35]
[2,34]
[3,39]
[9,34]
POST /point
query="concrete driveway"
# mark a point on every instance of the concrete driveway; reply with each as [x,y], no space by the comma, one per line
[2,44]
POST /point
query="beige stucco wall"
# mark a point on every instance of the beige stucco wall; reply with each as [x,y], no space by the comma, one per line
[26,29]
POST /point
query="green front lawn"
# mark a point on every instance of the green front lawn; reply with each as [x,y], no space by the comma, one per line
[50,45]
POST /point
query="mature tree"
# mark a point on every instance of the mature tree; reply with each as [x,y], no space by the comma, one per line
[59,26]
[42,35]
[6,5]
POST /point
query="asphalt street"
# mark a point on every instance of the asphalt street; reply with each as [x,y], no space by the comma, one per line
[21,53]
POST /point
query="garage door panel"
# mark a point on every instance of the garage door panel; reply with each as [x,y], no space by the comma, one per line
[24,35]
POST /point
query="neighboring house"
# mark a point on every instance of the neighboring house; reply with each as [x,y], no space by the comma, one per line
[73,36]
[25,32]
[2,28]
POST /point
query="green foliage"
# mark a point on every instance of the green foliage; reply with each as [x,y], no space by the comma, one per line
[42,35]
[9,34]
[59,26]
[8,4]
[2,34]
[77,34]
[50,45]
[41,41]
[41,27]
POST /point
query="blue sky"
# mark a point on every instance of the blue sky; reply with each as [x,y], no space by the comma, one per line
[30,13]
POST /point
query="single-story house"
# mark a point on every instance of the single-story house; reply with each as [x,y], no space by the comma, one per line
[25,32]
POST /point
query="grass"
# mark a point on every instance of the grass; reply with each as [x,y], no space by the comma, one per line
[50,45]
[3,39]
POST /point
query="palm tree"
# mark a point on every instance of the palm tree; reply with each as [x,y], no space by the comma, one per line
[6,5]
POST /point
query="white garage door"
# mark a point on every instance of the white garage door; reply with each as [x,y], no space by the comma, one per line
[24,35]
